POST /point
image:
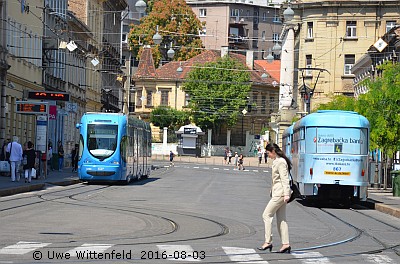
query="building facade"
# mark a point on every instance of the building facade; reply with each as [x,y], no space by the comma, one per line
[3,69]
[238,25]
[24,31]
[330,38]
[91,14]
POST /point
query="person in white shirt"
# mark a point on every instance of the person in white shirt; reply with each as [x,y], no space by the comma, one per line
[15,150]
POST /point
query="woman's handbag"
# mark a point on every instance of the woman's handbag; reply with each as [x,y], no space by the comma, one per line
[295,190]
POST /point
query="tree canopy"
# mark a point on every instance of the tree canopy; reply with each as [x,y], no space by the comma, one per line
[177,24]
[381,106]
[165,116]
[339,102]
[218,92]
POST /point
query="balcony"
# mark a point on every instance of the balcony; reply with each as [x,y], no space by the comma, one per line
[237,41]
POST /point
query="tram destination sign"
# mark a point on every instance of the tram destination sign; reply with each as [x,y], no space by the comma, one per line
[53,96]
[26,107]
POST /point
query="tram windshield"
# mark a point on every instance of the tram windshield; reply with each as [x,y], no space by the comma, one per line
[102,140]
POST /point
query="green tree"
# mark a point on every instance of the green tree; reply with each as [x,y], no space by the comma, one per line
[218,91]
[339,102]
[162,116]
[165,116]
[381,106]
[177,24]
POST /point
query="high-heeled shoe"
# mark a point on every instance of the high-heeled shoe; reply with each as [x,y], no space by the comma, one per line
[285,250]
[265,248]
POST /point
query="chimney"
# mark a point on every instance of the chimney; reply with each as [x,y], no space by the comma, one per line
[224,51]
[249,59]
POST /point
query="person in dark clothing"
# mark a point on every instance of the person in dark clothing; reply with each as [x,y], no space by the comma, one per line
[30,156]
[171,158]
[74,157]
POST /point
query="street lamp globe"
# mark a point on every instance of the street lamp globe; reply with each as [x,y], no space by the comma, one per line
[288,14]
[157,38]
[270,58]
[141,6]
[170,53]
[277,49]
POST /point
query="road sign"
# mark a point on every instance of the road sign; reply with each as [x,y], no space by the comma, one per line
[33,108]
[55,96]
[71,107]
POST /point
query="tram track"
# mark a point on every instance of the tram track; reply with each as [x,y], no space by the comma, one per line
[144,212]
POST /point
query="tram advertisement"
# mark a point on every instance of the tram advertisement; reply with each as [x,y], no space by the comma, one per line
[347,150]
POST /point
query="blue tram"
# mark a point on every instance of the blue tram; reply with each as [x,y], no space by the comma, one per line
[329,152]
[113,147]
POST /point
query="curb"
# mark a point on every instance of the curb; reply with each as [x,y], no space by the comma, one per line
[21,189]
[381,207]
[35,187]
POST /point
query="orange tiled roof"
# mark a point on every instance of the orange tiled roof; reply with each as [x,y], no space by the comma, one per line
[146,67]
[274,68]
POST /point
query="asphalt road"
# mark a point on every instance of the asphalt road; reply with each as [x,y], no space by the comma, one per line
[185,214]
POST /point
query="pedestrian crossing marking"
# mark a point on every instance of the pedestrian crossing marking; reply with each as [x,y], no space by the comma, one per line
[196,167]
[216,168]
[375,258]
[98,248]
[311,257]
[171,250]
[22,248]
[243,255]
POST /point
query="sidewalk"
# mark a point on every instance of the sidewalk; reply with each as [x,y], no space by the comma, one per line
[378,199]
[64,177]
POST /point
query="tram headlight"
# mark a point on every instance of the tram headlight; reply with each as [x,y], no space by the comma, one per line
[115,162]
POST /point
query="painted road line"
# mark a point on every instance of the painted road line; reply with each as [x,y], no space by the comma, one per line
[180,252]
[311,257]
[22,248]
[375,258]
[86,248]
[243,255]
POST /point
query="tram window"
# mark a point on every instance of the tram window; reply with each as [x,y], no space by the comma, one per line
[102,140]
[311,146]
[124,142]
[80,147]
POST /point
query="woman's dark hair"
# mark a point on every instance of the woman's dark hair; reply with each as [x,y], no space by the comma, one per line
[272,146]
[30,144]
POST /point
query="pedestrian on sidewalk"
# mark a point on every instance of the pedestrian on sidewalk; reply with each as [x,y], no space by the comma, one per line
[280,195]
[225,155]
[229,157]
[29,157]
[259,154]
[171,158]
[3,153]
[265,156]
[15,151]
[77,157]
[74,152]
[236,161]
[60,156]
[241,161]
[49,159]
